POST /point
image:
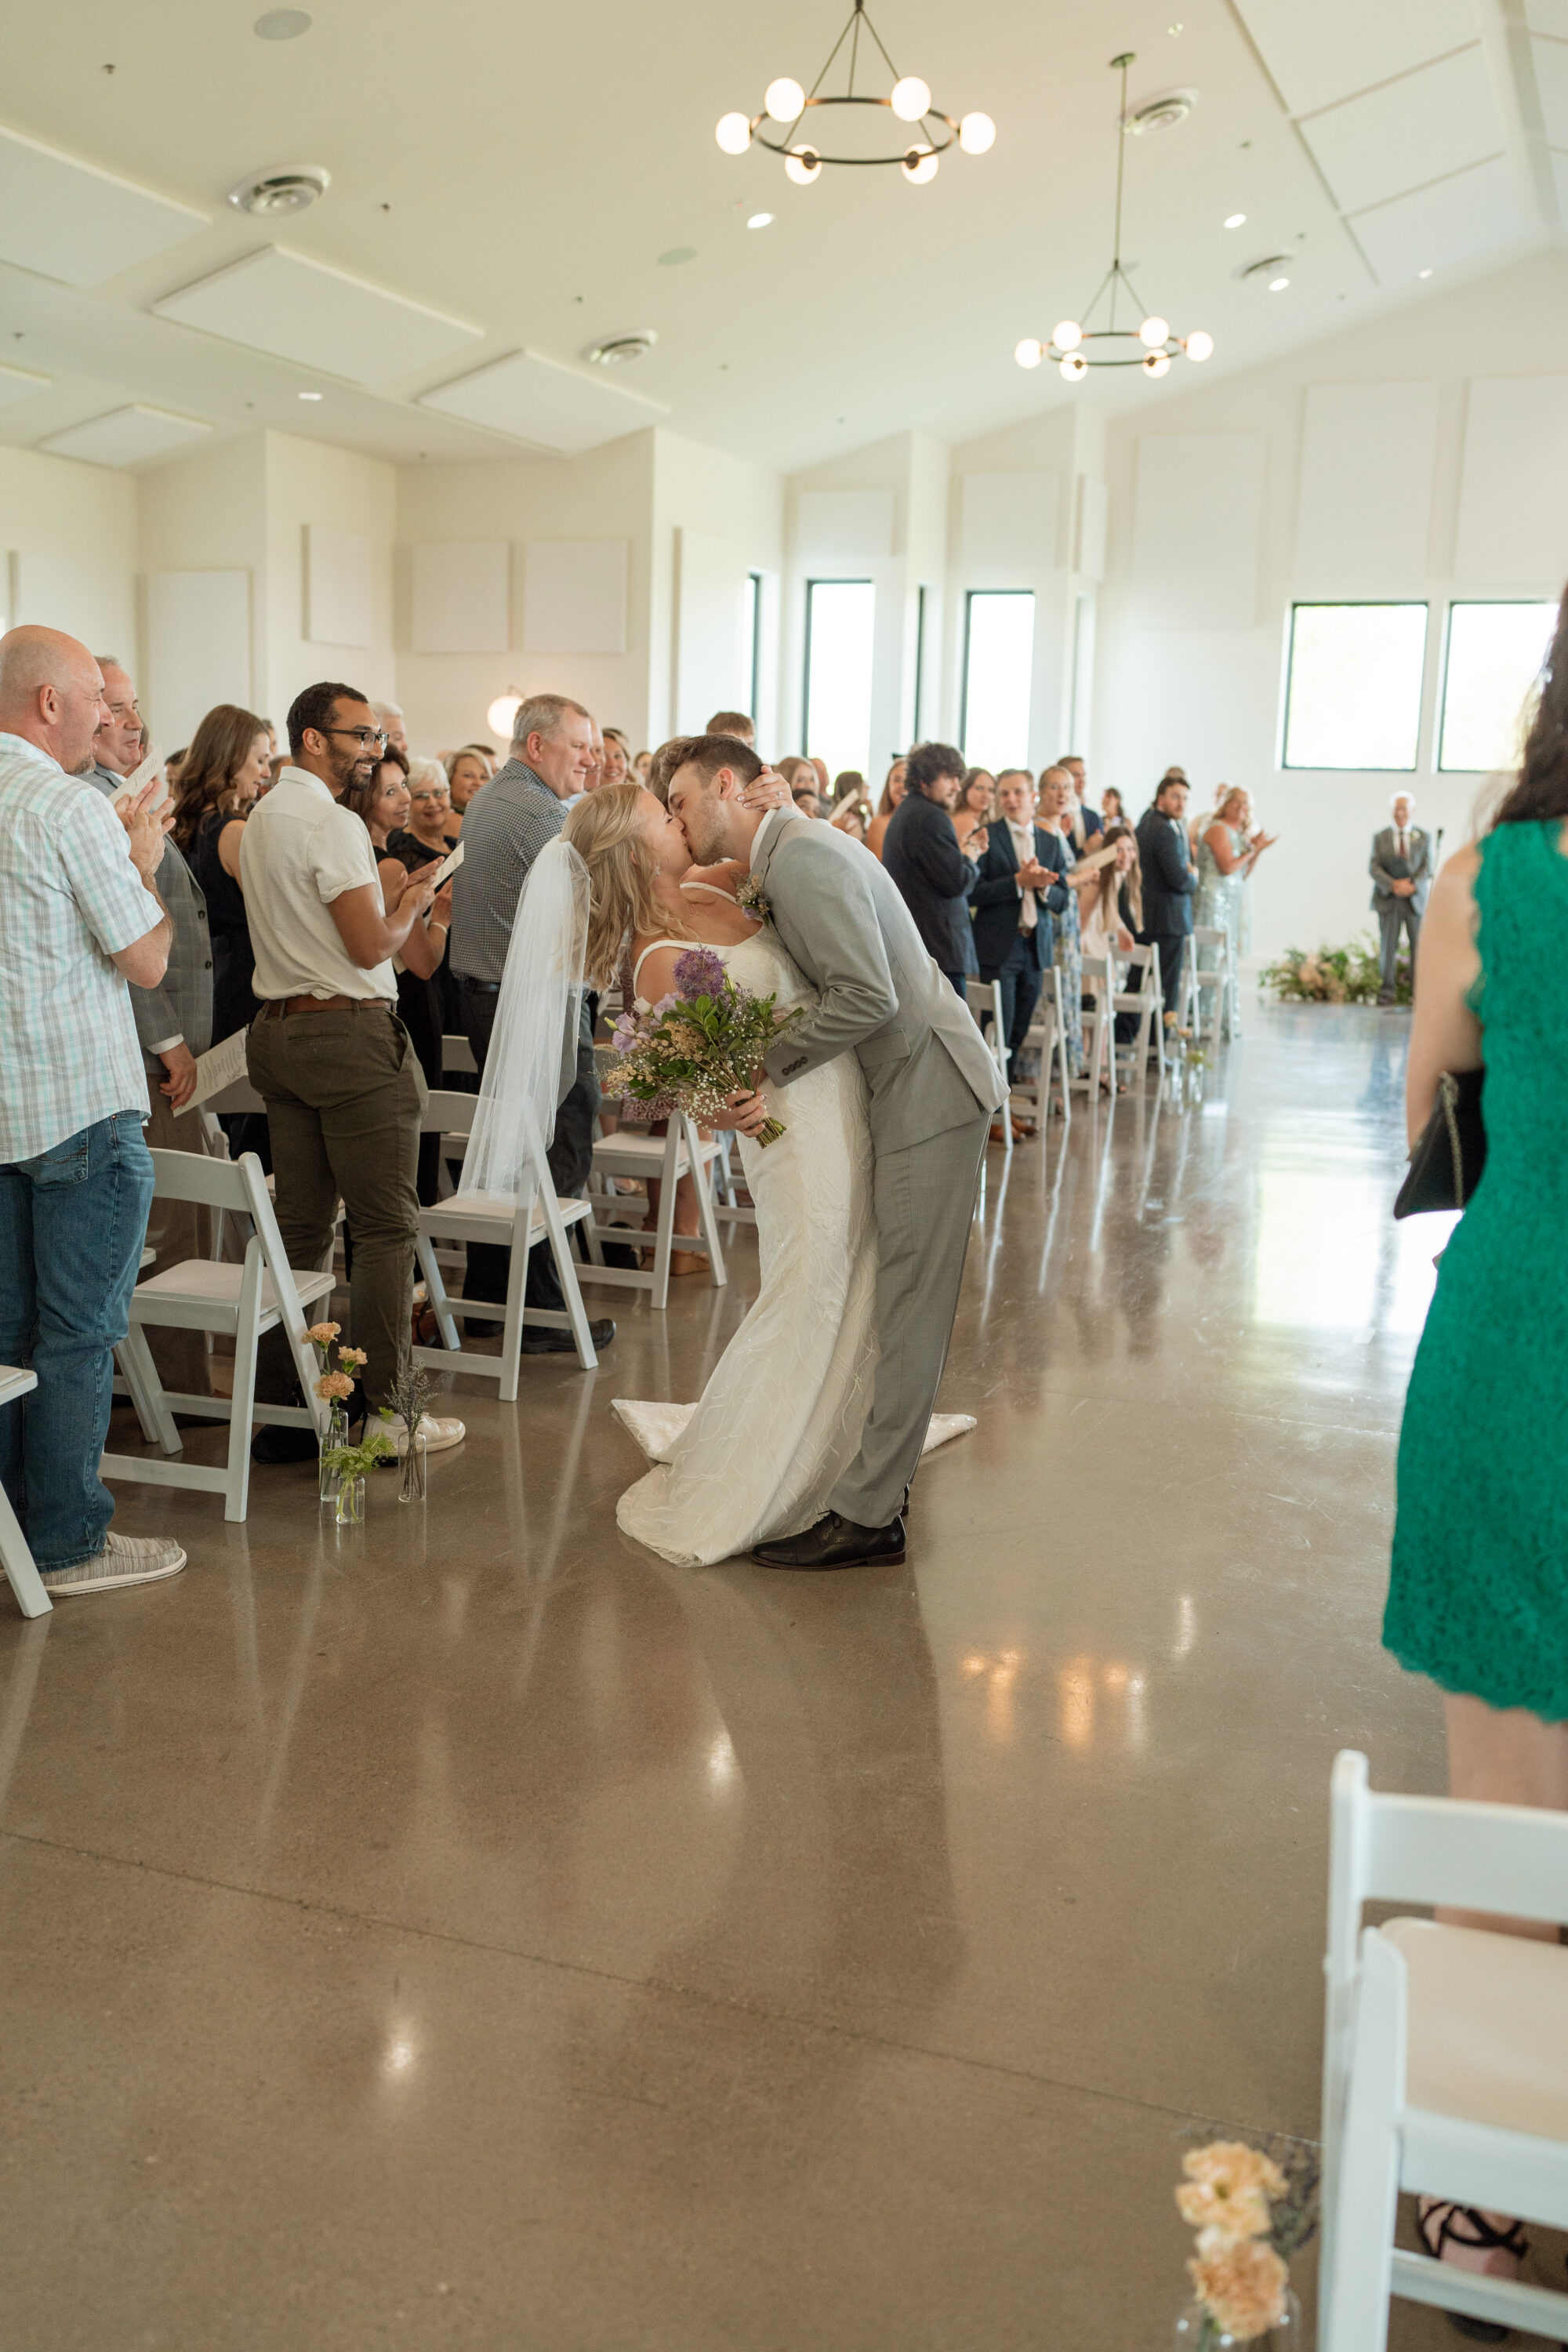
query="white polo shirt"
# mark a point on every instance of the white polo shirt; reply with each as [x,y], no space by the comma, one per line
[300,850]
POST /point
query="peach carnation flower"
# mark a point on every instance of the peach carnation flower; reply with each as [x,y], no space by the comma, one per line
[323,1334]
[1240,2283]
[334,1384]
[354,1356]
[1227,2189]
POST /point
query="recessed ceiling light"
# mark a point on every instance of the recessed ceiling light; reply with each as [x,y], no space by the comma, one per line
[281,25]
[1236,220]
[1277,285]
[761,220]
[312,396]
[1424,273]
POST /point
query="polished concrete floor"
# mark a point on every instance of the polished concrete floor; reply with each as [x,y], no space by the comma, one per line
[469,1931]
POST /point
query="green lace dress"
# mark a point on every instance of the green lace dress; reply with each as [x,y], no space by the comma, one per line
[1479,1597]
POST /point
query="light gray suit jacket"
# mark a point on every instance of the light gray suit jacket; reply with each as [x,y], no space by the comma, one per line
[1386,866]
[182,1003]
[883,999]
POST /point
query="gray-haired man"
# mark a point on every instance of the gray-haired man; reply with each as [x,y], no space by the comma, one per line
[520,809]
[1400,870]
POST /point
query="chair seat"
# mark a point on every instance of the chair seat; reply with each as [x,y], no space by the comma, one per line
[202,1295]
[643,1155]
[15,1382]
[1488,2024]
[487,1213]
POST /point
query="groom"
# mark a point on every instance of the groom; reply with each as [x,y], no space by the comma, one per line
[933,1088]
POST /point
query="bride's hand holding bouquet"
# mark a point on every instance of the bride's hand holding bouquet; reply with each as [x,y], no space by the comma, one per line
[702,1047]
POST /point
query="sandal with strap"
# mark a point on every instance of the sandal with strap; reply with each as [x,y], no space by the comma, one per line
[1438,2222]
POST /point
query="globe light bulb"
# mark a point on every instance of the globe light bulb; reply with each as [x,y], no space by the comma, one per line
[802,166]
[1157,364]
[1067,334]
[919,166]
[734,133]
[1198,345]
[1029,353]
[502,713]
[911,97]
[1153,331]
[1075,367]
[976,134]
[785,99]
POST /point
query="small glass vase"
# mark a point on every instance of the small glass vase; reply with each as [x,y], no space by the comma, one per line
[411,1484]
[337,1435]
[351,1502]
[1198,2331]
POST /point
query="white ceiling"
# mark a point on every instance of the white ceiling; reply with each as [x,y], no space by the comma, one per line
[504,185]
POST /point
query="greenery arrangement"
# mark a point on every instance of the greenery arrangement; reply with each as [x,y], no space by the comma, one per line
[1348,975]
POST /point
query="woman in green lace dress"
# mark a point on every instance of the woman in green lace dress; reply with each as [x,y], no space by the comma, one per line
[1479,1596]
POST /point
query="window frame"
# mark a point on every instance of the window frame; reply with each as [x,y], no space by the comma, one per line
[824,579]
[1440,721]
[755,620]
[1352,605]
[969,596]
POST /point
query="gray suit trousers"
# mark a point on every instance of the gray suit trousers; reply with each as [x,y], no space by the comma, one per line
[923,1199]
[1399,915]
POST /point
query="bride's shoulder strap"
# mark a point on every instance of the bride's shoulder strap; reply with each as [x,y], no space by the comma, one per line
[652,948]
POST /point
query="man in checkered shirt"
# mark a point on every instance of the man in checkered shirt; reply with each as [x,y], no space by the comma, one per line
[79,916]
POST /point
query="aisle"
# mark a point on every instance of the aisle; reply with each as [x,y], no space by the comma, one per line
[474,1932]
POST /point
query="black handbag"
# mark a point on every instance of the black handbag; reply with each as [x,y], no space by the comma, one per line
[1451,1150]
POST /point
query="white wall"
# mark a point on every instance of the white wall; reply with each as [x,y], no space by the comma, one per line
[68,550]
[1209,697]
[206,513]
[735,512]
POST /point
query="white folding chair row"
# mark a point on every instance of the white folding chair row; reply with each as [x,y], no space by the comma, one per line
[1099,981]
[536,1215]
[16,1558]
[1147,1001]
[1047,1039]
[1444,2051]
[984,997]
[1218,982]
[244,1302]
[662,1160]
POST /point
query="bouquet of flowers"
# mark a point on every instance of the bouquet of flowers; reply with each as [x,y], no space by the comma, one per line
[700,1045]
[1250,2213]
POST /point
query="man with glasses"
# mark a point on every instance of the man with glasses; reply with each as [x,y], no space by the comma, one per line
[327,1051]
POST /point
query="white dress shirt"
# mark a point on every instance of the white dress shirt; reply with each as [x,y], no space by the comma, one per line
[300,850]
[1023,845]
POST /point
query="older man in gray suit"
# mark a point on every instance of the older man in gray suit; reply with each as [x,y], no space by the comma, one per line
[173,1024]
[1401,871]
[933,1088]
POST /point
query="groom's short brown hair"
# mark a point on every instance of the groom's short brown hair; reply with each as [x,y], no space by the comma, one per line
[709,753]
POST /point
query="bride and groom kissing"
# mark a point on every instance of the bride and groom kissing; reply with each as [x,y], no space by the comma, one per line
[803,1444]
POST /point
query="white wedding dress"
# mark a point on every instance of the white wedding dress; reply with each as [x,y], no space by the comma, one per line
[780,1420]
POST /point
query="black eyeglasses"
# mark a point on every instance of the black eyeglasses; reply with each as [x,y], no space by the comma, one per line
[362,735]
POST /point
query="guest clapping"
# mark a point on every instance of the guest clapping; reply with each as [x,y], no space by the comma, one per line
[1019,887]
[224,773]
[429,835]
[1228,852]
[893,791]
[976,804]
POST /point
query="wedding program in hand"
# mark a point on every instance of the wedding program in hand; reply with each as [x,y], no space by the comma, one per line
[880,1092]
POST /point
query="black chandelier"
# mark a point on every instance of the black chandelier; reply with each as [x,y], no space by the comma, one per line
[1153,345]
[786,104]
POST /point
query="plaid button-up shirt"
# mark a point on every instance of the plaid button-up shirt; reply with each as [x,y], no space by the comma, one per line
[69,898]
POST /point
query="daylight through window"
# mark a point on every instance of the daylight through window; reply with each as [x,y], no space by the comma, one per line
[1494,658]
[998,664]
[839,614]
[1352,694]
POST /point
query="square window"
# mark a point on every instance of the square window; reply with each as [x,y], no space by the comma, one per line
[1495,652]
[1353,689]
[839,618]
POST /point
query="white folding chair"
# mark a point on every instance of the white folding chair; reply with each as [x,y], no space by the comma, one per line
[1046,1038]
[1100,978]
[1147,1003]
[984,997]
[662,1160]
[243,1301]
[516,1222]
[727,1205]
[14,1556]
[1444,2051]
[457,1054]
[1217,983]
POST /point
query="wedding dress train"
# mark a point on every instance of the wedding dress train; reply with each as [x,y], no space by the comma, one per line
[780,1420]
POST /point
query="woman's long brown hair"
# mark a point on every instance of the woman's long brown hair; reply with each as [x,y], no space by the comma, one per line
[219,748]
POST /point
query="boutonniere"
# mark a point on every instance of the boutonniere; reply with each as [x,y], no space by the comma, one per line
[749,894]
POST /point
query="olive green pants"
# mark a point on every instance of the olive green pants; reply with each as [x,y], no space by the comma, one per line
[344,1095]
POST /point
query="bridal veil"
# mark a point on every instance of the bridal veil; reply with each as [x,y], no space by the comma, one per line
[533,1060]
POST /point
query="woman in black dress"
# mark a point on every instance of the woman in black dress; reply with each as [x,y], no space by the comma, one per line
[221,778]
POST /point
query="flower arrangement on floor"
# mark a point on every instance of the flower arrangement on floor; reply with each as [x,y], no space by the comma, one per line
[335,1386]
[1250,2213]
[411,1393]
[701,1044]
[1347,975]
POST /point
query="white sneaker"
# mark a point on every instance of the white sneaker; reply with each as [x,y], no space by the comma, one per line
[124,1560]
[435,1435]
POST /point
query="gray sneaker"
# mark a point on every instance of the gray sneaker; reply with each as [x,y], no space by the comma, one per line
[124,1560]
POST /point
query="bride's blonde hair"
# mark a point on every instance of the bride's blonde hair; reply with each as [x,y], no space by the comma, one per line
[606,830]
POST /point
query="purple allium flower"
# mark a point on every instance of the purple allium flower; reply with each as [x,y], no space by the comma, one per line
[700,973]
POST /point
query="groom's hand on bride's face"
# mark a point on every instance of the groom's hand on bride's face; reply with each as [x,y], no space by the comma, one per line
[767,791]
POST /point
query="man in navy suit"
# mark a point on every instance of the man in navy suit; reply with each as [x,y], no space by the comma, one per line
[1170,878]
[1020,885]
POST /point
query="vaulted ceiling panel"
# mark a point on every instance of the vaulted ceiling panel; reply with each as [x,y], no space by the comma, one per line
[1549,60]
[1333,49]
[298,309]
[20,383]
[63,218]
[126,436]
[1440,228]
[537,400]
[1427,124]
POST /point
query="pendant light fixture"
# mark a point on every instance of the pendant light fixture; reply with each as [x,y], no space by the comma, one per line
[786,105]
[1152,345]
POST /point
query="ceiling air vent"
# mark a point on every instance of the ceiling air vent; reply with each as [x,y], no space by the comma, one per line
[618,349]
[1162,113]
[289,189]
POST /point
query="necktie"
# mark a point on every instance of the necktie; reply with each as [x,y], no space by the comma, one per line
[1403,845]
[1023,843]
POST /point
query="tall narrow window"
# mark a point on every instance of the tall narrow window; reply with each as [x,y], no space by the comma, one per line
[753,672]
[838,621]
[1082,671]
[1495,653]
[998,665]
[924,649]
[1353,689]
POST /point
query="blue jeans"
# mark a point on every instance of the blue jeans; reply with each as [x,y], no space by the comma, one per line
[72,1223]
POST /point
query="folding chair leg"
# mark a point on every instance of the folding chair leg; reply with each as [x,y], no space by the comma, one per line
[566,1272]
[664,1242]
[19,1565]
[135,1358]
[1356,2296]
[247,1338]
[706,1217]
[516,1284]
[436,1292]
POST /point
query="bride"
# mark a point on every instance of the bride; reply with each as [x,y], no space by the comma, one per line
[781,1418]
